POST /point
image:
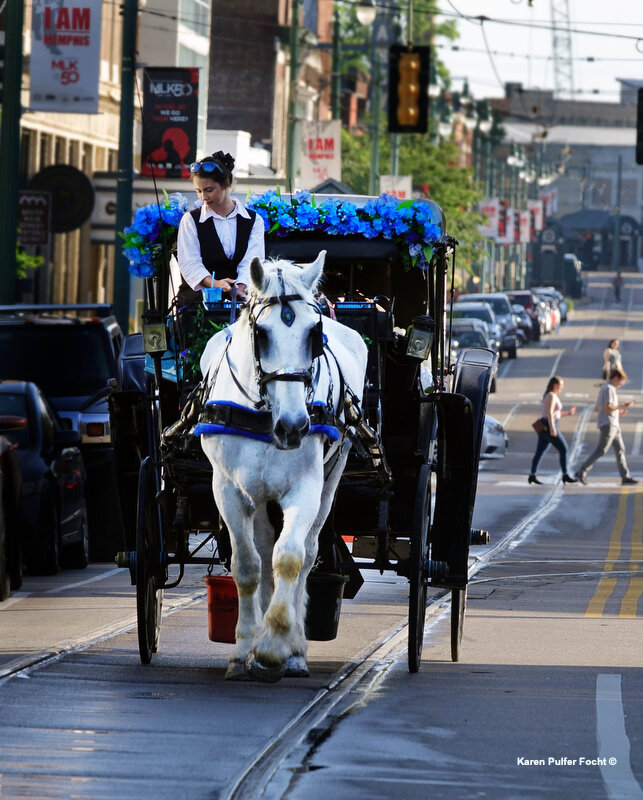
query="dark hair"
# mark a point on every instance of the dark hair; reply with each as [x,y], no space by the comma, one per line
[611,342]
[617,373]
[555,380]
[225,161]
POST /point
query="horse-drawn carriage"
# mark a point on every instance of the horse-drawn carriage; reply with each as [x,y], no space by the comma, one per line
[325,417]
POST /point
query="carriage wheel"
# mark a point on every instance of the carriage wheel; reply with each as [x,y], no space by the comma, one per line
[419,567]
[458,603]
[149,597]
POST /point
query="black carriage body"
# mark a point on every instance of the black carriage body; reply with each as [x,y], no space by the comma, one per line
[379,300]
[423,421]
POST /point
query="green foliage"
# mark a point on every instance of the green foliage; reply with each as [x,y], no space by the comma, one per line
[25,262]
[204,330]
[435,165]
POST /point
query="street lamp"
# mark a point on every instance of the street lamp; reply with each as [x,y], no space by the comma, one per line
[366,12]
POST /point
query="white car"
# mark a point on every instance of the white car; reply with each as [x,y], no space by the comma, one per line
[494,439]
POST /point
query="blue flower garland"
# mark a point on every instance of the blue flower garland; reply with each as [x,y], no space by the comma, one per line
[152,234]
[408,223]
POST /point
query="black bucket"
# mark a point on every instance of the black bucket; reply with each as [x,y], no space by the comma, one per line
[325,592]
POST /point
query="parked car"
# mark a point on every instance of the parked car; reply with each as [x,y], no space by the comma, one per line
[525,328]
[494,439]
[472,333]
[482,310]
[53,515]
[555,297]
[531,305]
[502,309]
[10,486]
[73,359]
[551,304]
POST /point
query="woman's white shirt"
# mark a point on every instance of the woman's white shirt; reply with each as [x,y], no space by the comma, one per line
[189,247]
[556,406]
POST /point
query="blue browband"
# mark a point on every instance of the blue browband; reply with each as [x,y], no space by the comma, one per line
[231,419]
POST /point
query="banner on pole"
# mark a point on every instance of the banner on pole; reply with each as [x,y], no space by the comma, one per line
[490,207]
[400,186]
[321,150]
[170,110]
[536,208]
[524,221]
[65,56]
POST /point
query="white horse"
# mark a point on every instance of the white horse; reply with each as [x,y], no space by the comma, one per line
[267,371]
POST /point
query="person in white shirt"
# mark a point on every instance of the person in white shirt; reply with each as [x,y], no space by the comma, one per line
[610,411]
[222,236]
[551,410]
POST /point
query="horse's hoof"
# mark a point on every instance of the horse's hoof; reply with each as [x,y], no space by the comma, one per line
[236,671]
[296,667]
[259,672]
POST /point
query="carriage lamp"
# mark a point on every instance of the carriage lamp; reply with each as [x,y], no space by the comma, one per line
[421,337]
[154,333]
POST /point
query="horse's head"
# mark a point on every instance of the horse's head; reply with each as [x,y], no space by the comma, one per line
[285,325]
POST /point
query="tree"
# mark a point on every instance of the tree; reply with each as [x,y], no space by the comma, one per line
[434,165]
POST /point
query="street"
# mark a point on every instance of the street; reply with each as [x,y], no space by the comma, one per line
[547,701]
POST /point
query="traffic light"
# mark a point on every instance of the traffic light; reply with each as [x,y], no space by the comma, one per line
[639,128]
[408,89]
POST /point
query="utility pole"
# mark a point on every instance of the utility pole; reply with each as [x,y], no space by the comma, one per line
[336,69]
[292,96]
[124,176]
[10,151]
[616,239]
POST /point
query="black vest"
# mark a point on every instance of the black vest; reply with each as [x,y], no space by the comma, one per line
[212,254]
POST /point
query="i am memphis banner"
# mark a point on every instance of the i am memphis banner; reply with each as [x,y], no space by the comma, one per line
[65,56]
[170,111]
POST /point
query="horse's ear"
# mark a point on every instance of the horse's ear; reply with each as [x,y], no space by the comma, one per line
[257,275]
[312,273]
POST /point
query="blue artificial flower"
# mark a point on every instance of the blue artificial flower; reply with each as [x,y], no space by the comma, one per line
[409,224]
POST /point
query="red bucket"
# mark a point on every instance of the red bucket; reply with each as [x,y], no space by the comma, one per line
[223,607]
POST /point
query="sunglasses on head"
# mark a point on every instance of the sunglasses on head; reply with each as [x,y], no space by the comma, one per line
[205,166]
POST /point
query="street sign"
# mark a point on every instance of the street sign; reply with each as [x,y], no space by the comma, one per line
[34,217]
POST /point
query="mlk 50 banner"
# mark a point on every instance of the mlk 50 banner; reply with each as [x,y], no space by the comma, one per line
[65,53]
[170,108]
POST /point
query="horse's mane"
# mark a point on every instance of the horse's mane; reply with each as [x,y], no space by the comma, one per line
[291,274]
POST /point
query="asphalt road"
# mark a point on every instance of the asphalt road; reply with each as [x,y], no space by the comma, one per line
[549,689]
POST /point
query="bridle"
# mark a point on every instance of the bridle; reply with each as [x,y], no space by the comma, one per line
[255,310]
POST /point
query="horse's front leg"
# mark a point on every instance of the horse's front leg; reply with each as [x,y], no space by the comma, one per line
[246,571]
[282,632]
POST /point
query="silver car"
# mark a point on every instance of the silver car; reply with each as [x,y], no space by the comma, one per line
[494,439]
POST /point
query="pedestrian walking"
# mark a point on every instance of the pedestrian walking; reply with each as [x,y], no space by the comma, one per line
[617,283]
[609,413]
[612,358]
[551,410]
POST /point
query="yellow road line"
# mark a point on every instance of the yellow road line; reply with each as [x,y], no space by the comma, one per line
[596,605]
[630,602]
